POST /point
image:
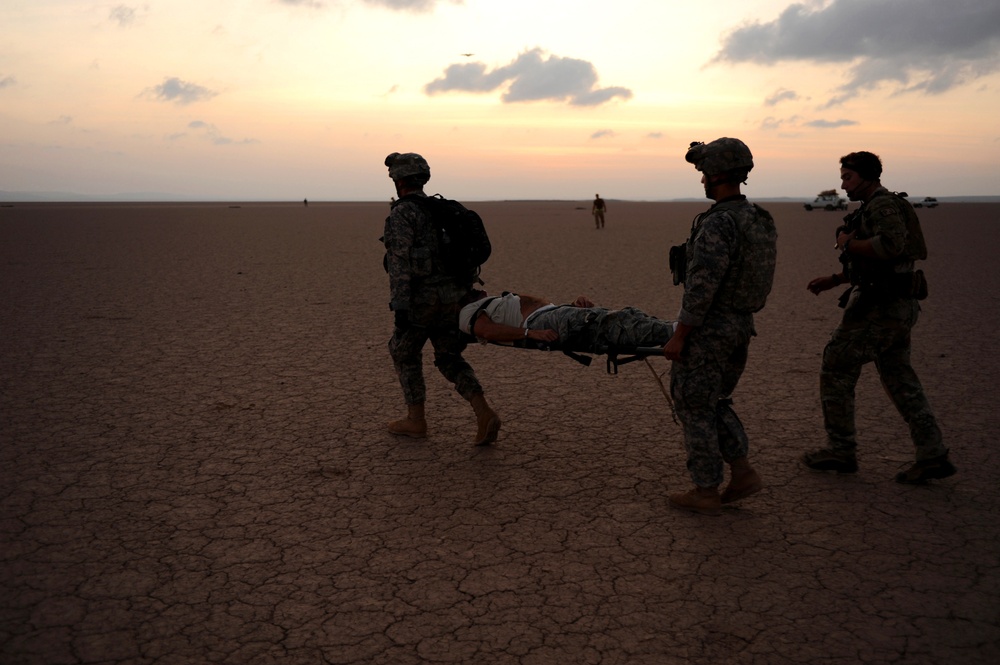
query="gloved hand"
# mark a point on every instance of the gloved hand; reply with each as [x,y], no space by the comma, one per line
[402,318]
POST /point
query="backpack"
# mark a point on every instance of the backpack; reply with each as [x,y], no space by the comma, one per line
[463,244]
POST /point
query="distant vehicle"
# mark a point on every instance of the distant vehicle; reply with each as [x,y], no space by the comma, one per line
[827,200]
[929,202]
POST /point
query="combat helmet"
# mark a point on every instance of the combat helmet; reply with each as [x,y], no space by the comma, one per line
[407,164]
[720,156]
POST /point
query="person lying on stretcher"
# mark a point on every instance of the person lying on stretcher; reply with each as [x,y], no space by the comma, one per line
[580,326]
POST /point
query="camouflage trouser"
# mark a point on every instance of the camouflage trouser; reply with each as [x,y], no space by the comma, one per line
[701,383]
[881,335]
[587,328]
[439,324]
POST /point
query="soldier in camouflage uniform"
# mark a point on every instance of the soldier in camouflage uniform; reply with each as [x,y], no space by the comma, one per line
[727,271]
[425,303]
[580,326]
[879,245]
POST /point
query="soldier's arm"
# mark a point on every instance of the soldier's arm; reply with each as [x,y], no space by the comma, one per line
[707,267]
[848,243]
[399,238]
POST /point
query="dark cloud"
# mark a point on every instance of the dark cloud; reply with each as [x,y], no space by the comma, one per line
[302,3]
[7,82]
[213,134]
[781,95]
[531,77]
[181,92]
[412,5]
[920,45]
[123,15]
[602,133]
[830,124]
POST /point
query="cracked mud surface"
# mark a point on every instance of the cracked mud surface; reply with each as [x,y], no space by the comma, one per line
[194,466]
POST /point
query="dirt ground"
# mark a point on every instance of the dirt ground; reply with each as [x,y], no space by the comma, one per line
[194,466]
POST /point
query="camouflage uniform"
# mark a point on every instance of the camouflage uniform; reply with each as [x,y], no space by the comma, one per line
[432,301]
[876,327]
[591,328]
[715,353]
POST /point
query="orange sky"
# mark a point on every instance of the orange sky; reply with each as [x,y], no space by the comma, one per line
[272,99]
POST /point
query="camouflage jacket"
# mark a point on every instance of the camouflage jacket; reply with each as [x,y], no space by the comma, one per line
[411,246]
[725,273]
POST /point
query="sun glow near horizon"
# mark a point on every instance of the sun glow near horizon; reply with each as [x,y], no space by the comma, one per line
[272,99]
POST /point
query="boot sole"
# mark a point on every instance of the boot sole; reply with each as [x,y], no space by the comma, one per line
[412,435]
[729,497]
[711,512]
[923,478]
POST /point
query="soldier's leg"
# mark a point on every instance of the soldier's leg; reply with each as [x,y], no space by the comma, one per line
[695,389]
[844,356]
[733,442]
[406,350]
[448,347]
[631,327]
[907,394]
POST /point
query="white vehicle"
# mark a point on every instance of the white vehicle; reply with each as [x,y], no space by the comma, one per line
[929,201]
[827,200]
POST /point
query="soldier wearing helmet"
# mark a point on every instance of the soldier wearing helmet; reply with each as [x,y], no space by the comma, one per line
[425,302]
[727,268]
[879,245]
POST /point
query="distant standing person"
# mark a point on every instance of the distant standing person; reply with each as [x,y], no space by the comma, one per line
[425,302]
[727,269]
[879,245]
[597,210]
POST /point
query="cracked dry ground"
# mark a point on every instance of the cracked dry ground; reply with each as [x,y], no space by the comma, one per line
[195,467]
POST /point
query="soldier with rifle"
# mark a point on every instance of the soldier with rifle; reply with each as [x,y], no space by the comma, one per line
[879,245]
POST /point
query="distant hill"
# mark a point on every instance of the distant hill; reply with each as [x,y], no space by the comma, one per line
[73,197]
[159,197]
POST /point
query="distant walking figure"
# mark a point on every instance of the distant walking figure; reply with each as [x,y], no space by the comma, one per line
[305,202]
[597,210]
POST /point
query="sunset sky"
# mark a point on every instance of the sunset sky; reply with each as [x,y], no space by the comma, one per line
[511,99]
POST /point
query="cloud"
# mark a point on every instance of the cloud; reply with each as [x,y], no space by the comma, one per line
[213,134]
[781,95]
[62,120]
[7,82]
[919,45]
[175,90]
[302,3]
[531,77]
[601,133]
[123,15]
[416,6]
[830,124]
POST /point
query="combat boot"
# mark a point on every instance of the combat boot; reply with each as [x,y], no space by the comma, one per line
[827,459]
[743,481]
[928,469]
[702,500]
[487,421]
[413,425]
